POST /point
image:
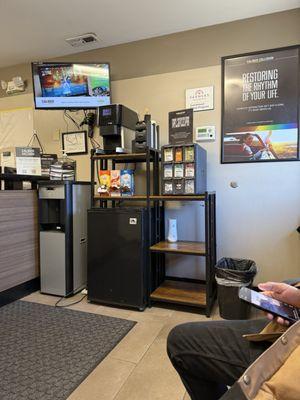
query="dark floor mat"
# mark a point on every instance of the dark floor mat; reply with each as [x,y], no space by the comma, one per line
[46,352]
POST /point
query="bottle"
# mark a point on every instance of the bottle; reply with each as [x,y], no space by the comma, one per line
[172,233]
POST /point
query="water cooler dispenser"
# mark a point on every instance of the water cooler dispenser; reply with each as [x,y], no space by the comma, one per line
[63,236]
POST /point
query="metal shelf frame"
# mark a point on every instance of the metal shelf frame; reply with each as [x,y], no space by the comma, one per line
[209,199]
[150,157]
[156,257]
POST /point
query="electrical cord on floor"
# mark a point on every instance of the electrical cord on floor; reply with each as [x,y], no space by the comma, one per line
[70,304]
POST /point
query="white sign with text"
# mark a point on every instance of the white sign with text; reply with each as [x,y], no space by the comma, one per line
[200,99]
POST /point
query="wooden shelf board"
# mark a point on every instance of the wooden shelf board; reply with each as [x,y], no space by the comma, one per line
[153,198]
[179,198]
[120,198]
[127,157]
[181,247]
[179,292]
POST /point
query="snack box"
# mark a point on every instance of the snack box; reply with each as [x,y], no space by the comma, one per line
[189,186]
[168,187]
[178,154]
[115,183]
[104,178]
[168,171]
[189,170]
[168,154]
[178,186]
[178,170]
[189,154]
[127,182]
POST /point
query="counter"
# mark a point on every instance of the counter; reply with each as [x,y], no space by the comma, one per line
[19,255]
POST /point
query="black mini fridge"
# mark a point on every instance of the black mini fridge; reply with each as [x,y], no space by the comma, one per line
[118,242]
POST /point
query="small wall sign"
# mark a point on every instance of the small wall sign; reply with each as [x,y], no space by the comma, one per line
[181,126]
[28,161]
[200,99]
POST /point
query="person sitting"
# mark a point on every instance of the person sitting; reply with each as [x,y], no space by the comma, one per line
[210,356]
[247,149]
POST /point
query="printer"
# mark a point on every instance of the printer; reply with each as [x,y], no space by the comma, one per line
[117,125]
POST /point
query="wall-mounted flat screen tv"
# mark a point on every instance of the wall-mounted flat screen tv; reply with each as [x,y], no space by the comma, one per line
[71,85]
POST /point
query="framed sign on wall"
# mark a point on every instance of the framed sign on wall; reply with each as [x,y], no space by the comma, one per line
[28,161]
[260,106]
[74,143]
[200,99]
[181,126]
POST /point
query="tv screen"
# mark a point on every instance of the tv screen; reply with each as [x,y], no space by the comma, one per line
[70,85]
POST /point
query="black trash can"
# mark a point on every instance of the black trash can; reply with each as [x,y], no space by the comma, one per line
[231,274]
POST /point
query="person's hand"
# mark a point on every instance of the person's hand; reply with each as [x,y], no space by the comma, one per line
[282,292]
[268,138]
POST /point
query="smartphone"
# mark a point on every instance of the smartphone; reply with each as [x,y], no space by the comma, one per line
[269,304]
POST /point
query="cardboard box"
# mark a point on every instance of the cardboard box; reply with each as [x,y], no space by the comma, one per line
[168,171]
[189,154]
[168,187]
[127,182]
[168,154]
[189,186]
[178,171]
[115,183]
[189,170]
[178,154]
[178,186]
[104,188]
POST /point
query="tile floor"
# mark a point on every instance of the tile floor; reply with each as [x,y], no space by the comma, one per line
[138,368]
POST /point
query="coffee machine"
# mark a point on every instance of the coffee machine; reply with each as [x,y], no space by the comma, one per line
[117,127]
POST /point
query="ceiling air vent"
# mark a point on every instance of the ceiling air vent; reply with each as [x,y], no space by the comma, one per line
[82,40]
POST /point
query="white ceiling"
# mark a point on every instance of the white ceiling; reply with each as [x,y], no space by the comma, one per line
[36,29]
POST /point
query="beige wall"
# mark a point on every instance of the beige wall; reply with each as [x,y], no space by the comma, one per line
[259,218]
[186,50]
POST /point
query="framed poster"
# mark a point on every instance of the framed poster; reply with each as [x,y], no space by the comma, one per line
[200,99]
[260,106]
[181,126]
[74,143]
